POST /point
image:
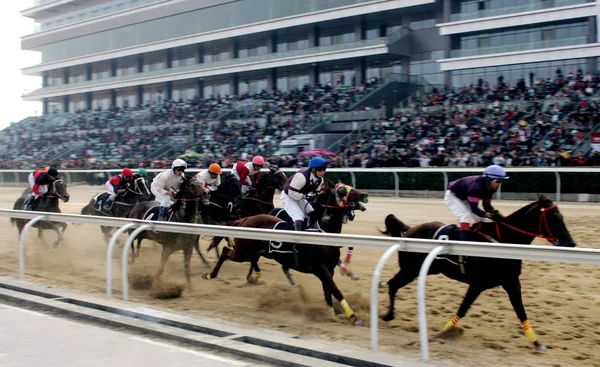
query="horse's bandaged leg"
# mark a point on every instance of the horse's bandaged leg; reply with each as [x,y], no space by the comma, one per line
[344,268]
[451,323]
[529,333]
[349,312]
[257,275]
[348,257]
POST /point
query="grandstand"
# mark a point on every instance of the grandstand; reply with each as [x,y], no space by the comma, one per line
[387,82]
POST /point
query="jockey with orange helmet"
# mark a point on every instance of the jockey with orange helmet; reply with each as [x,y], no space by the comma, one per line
[116,185]
[38,182]
[210,178]
[463,197]
[248,172]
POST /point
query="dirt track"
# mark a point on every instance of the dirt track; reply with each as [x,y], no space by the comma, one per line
[561,299]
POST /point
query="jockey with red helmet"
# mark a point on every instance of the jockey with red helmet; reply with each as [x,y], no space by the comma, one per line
[248,172]
[116,185]
[38,182]
[463,197]
[166,185]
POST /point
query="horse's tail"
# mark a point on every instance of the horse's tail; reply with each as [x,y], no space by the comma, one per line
[216,240]
[84,210]
[394,227]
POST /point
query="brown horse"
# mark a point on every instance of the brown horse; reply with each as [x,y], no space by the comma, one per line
[184,210]
[538,219]
[57,189]
[312,259]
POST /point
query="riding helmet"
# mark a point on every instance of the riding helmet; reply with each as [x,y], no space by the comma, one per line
[126,172]
[142,172]
[317,162]
[52,172]
[179,163]
[258,160]
[214,168]
[495,172]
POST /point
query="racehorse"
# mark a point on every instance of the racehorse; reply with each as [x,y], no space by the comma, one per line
[540,218]
[260,200]
[184,210]
[136,192]
[57,189]
[313,259]
[257,201]
[224,205]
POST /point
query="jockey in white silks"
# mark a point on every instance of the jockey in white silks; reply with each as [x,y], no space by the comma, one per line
[166,185]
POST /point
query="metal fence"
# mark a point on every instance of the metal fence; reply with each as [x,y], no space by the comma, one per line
[387,244]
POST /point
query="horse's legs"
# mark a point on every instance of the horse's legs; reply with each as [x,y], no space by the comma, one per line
[399,280]
[166,252]
[344,270]
[135,254]
[106,232]
[60,229]
[224,256]
[513,289]
[326,278]
[472,293]
[348,255]
[286,271]
[254,267]
[188,251]
[197,247]
[41,236]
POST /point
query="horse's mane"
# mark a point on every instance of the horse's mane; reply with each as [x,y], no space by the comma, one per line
[542,200]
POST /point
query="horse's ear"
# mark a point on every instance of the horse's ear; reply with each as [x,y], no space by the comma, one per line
[542,197]
[330,183]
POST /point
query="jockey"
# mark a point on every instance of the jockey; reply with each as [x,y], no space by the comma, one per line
[463,197]
[166,185]
[248,172]
[116,185]
[210,178]
[38,182]
[298,186]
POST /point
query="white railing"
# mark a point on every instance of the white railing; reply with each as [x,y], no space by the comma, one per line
[20,177]
[389,244]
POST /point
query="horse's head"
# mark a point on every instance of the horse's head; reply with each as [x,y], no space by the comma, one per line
[341,195]
[58,188]
[140,187]
[543,219]
[276,178]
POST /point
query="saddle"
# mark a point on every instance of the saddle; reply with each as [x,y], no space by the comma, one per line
[283,215]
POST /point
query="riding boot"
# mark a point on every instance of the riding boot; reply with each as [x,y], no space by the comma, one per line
[465,231]
[313,222]
[298,225]
[108,205]
[28,204]
[162,215]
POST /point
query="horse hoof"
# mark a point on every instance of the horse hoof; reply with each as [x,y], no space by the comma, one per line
[354,276]
[540,348]
[387,317]
[383,285]
[206,276]
[358,322]
[55,244]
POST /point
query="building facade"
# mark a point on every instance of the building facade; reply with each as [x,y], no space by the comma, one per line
[101,53]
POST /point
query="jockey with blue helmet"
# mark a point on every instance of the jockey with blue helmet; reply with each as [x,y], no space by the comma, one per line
[463,197]
[302,183]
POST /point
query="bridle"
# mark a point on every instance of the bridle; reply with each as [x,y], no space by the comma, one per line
[542,225]
[55,193]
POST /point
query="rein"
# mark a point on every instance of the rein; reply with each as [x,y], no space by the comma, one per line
[543,223]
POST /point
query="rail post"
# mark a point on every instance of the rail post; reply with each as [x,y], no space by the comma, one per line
[421,299]
[375,293]
[128,243]
[22,244]
[109,253]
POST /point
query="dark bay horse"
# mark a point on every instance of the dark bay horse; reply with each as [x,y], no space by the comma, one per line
[538,219]
[184,210]
[136,192]
[257,201]
[260,200]
[312,259]
[48,203]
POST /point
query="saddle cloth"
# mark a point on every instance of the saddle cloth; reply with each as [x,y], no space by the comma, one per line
[451,232]
[99,201]
[152,213]
[282,247]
